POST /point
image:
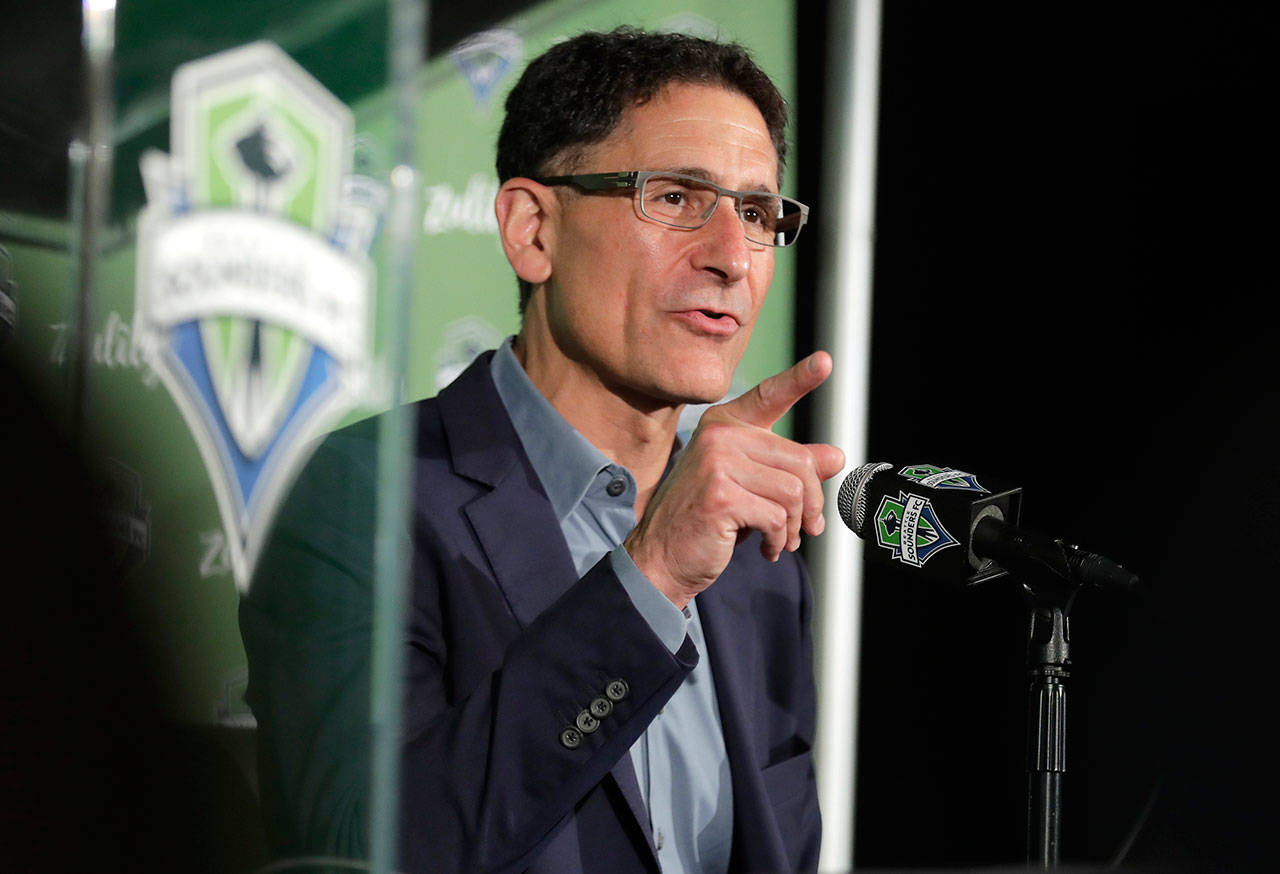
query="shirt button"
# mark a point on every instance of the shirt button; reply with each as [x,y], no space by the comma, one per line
[601,707]
[616,487]
[617,690]
[571,738]
[586,722]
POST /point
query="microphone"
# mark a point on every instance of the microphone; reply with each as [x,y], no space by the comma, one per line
[948,525]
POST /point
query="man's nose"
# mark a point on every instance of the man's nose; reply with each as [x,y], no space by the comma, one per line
[725,249]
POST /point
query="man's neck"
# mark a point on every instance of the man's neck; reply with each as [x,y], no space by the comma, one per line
[635,435]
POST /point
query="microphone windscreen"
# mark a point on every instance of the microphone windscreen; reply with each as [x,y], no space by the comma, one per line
[852,500]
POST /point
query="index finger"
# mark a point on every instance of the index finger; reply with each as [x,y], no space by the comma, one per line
[770,400]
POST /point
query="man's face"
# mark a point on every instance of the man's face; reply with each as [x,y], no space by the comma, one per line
[658,313]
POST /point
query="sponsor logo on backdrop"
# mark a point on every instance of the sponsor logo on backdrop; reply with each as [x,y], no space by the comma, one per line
[485,60]
[463,341]
[119,344]
[908,527]
[215,557]
[255,289]
[934,477]
[470,210]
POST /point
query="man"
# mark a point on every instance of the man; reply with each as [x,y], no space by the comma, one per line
[583,692]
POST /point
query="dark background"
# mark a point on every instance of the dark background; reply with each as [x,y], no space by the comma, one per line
[1071,293]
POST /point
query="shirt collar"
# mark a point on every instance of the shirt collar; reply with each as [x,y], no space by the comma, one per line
[565,461]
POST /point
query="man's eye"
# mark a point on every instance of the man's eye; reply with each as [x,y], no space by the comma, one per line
[762,215]
[675,200]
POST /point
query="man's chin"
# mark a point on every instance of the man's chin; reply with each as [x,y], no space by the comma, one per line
[696,392]
[681,382]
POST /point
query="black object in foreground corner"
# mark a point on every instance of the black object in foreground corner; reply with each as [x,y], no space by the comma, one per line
[913,516]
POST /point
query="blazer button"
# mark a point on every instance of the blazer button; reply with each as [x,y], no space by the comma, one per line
[571,738]
[617,690]
[586,722]
[601,707]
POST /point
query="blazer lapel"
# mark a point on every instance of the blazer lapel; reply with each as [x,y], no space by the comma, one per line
[506,521]
[513,515]
[724,610]
[515,512]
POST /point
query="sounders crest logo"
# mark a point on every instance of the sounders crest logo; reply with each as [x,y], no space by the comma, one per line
[485,59]
[908,527]
[254,284]
[935,477]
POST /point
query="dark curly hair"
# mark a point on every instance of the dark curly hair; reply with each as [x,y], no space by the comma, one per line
[574,94]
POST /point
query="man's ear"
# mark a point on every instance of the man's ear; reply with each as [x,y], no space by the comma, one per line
[523,208]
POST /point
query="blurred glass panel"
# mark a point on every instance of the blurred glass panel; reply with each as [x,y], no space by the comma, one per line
[247,180]
[201,301]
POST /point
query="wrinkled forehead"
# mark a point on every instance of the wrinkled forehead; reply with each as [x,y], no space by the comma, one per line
[701,130]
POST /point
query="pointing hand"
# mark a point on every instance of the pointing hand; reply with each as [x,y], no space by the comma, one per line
[736,476]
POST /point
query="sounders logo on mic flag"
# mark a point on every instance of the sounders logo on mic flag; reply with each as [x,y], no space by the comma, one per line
[935,477]
[910,529]
[254,285]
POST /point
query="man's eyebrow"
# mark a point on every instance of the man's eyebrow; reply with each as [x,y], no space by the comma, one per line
[703,173]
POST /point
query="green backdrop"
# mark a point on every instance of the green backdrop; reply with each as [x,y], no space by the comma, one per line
[172,544]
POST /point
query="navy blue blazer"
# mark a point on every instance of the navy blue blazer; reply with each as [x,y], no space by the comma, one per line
[506,646]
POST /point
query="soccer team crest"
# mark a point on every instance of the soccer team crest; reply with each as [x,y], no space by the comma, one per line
[908,526]
[935,477]
[485,59]
[254,283]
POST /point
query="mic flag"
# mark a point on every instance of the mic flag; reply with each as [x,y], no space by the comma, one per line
[922,517]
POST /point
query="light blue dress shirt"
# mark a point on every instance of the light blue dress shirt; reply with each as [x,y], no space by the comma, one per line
[680,760]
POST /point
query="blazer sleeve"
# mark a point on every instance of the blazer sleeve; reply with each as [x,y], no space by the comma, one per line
[486,772]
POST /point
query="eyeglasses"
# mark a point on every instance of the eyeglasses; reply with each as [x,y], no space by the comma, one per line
[689,202]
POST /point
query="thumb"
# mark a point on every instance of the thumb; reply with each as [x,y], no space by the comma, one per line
[769,401]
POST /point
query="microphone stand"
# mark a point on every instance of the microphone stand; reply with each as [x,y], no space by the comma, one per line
[1051,574]
[1048,667]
